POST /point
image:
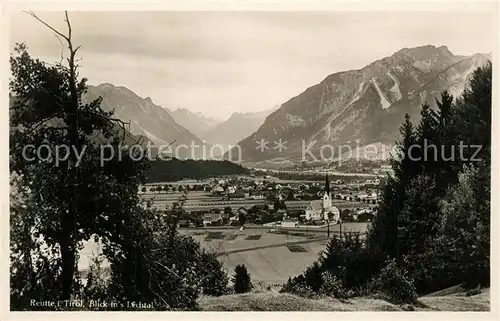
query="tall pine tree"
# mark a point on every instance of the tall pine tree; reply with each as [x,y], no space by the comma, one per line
[383,236]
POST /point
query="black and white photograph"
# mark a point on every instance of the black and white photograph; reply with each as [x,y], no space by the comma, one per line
[251,160]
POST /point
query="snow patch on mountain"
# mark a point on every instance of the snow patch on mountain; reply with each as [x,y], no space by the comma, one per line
[395,89]
[423,96]
[383,101]
[356,97]
[154,139]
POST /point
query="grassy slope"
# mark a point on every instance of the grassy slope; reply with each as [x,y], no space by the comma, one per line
[271,301]
[459,302]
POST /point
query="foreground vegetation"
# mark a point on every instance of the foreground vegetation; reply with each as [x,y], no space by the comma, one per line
[432,229]
[269,301]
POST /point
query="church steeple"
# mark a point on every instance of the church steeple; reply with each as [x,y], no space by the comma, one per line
[327,199]
[327,185]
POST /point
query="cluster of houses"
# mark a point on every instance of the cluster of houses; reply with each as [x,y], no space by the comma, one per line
[258,190]
[318,205]
[244,199]
[224,217]
[364,196]
[237,190]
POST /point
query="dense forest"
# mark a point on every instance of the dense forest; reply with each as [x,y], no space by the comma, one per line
[176,170]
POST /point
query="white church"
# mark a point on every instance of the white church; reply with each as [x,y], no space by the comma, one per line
[323,209]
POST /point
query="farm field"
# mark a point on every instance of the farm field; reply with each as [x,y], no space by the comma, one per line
[276,255]
[272,265]
[222,240]
[197,200]
[281,258]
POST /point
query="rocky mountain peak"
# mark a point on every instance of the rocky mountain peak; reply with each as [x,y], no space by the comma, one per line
[365,105]
[146,119]
[424,52]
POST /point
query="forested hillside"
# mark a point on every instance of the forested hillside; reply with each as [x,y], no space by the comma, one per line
[432,229]
[175,170]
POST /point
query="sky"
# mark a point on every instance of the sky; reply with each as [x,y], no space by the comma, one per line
[217,63]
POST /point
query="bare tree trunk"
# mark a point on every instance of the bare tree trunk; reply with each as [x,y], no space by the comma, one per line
[68,240]
[68,267]
[73,132]
[69,237]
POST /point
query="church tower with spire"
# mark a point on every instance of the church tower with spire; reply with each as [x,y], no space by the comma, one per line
[327,196]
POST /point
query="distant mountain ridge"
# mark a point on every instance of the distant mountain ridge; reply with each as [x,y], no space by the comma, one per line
[237,127]
[197,123]
[365,105]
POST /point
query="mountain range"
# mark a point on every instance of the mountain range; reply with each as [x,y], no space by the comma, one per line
[364,106]
[179,128]
[146,119]
[197,123]
[237,127]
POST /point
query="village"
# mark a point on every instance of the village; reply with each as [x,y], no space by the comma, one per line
[266,201]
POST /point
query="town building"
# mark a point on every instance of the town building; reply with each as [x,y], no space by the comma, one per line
[211,219]
[364,215]
[323,209]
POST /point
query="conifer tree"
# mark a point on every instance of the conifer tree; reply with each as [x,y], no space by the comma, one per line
[313,276]
[472,115]
[332,259]
[241,279]
[444,111]
[419,218]
[382,233]
[445,173]
[428,140]
[383,238]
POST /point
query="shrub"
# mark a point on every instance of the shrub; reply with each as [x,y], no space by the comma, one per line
[96,286]
[313,277]
[261,287]
[332,286]
[298,286]
[214,278]
[153,263]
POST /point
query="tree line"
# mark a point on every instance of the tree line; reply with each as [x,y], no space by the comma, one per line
[175,170]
